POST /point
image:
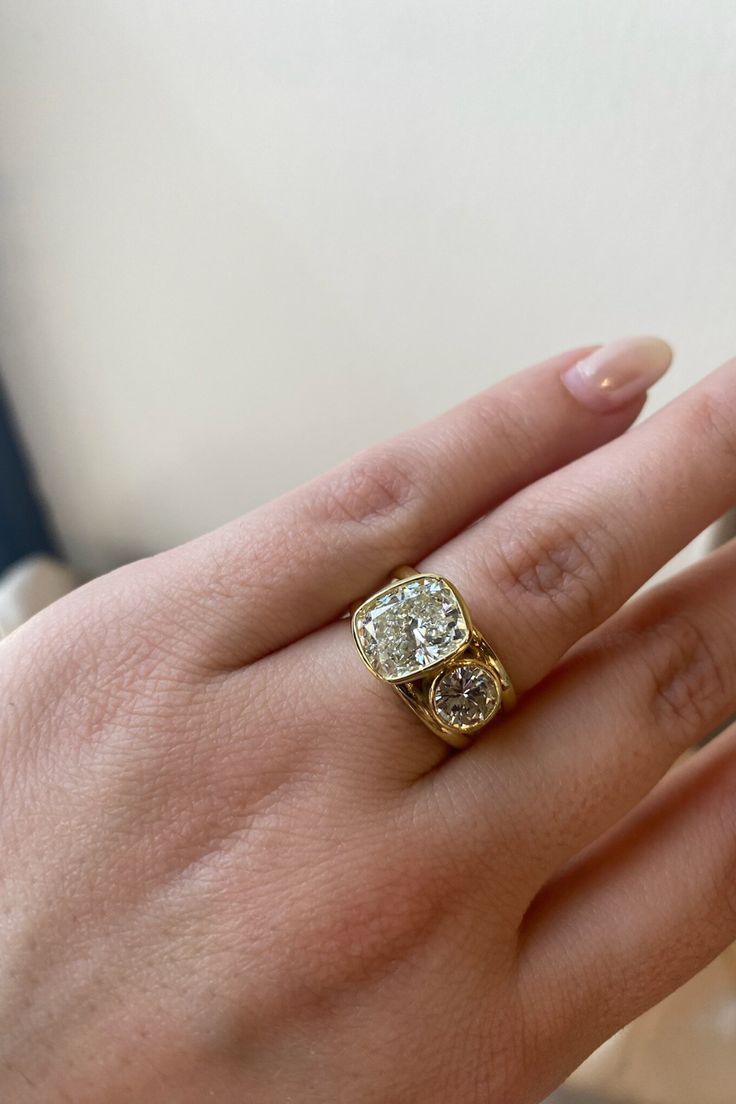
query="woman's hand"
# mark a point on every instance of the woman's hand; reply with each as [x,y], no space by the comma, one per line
[236,868]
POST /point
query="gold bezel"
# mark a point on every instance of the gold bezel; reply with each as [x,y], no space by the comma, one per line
[465,729]
[417,694]
[416,689]
[433,668]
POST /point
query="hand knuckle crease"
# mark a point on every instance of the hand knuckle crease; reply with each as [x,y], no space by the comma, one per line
[688,680]
[367,490]
[571,567]
[715,419]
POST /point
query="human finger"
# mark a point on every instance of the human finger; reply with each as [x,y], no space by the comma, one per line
[642,911]
[596,737]
[296,563]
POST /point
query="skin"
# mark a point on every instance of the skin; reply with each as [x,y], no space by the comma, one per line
[236,868]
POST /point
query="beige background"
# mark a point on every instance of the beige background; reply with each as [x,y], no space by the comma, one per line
[240,238]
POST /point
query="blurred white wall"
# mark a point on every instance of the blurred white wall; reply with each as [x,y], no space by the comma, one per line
[240,238]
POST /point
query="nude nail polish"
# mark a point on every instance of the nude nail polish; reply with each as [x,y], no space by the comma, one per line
[613,375]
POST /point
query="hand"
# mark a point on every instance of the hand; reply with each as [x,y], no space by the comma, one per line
[235,867]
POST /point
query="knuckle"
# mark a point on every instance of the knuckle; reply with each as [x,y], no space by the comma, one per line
[713,420]
[689,684]
[505,418]
[368,489]
[570,565]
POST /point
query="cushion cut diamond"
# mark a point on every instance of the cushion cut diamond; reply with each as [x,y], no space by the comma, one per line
[410,626]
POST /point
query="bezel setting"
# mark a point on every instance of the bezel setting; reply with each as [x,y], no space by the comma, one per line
[416,631]
[411,627]
[482,693]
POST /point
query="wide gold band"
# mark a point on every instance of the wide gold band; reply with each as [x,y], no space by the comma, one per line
[416,634]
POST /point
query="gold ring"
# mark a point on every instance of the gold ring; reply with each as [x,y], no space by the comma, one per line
[416,634]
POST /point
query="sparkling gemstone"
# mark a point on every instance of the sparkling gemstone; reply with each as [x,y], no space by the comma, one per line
[466,695]
[410,627]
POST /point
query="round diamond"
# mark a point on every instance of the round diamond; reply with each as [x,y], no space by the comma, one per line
[466,695]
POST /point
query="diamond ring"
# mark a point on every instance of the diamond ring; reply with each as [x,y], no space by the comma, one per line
[417,635]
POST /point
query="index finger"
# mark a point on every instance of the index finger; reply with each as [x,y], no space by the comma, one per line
[289,567]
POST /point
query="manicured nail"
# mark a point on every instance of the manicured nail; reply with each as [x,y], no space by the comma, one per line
[613,375]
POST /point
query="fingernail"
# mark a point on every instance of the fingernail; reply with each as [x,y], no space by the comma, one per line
[613,375]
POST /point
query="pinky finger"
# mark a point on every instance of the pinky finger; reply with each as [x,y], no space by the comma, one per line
[640,912]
